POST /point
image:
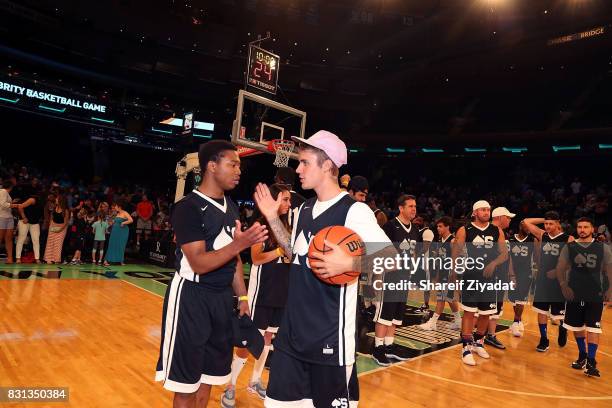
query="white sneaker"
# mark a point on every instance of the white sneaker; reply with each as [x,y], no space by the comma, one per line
[455,325]
[429,325]
[257,389]
[467,357]
[516,329]
[479,349]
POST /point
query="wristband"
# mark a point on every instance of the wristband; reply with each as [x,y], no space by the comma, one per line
[245,298]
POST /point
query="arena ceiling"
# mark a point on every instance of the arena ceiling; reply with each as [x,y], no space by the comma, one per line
[398,70]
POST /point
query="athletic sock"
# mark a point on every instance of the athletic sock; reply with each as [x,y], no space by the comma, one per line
[237,366]
[259,365]
[517,320]
[478,337]
[435,317]
[592,350]
[388,340]
[543,329]
[581,342]
[379,341]
[466,340]
[457,315]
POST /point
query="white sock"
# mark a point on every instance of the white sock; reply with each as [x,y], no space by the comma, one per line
[93,256]
[101,255]
[237,366]
[259,365]
[388,340]
[378,341]
[457,316]
[434,318]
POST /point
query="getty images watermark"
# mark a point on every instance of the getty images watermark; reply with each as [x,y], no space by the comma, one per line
[404,263]
[417,266]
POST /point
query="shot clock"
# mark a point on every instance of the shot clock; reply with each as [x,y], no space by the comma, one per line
[262,70]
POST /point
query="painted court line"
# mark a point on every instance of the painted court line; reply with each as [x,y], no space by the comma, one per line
[572,341]
[146,290]
[484,387]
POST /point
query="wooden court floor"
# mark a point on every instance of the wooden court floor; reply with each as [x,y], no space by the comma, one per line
[100,338]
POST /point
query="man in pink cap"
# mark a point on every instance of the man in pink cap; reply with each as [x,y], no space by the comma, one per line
[314,351]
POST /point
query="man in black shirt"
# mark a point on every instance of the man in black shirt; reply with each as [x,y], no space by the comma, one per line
[586,288]
[196,342]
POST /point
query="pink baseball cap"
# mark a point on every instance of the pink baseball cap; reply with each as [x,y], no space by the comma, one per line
[329,143]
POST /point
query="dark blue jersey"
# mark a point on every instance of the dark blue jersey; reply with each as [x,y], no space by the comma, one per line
[197,217]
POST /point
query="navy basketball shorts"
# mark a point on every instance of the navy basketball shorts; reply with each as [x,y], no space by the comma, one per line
[197,338]
[296,383]
[583,315]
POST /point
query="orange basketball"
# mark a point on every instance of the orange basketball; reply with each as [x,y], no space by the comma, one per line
[347,239]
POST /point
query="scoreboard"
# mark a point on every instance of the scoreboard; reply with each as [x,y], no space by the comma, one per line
[262,70]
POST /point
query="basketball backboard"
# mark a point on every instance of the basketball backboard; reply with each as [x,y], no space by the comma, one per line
[260,120]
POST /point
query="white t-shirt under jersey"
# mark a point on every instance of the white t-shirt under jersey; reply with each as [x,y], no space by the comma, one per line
[359,218]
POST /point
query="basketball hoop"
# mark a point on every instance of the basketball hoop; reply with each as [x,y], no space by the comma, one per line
[246,151]
[283,149]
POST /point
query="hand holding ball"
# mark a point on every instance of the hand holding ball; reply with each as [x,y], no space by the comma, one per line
[347,240]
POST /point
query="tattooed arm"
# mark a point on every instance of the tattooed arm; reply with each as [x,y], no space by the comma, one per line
[283,237]
[268,206]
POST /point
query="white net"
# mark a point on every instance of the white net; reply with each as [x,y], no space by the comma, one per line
[283,148]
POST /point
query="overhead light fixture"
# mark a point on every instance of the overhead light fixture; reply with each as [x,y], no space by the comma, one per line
[565,148]
[514,149]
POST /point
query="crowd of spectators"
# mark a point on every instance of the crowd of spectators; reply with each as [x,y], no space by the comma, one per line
[69,217]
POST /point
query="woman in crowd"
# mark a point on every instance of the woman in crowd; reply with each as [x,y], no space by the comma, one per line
[57,230]
[7,222]
[119,235]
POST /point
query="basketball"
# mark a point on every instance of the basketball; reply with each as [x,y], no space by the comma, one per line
[347,239]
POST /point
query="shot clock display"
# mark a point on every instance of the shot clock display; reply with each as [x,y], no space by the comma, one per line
[262,70]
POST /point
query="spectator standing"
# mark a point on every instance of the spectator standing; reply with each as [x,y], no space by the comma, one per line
[119,235]
[57,231]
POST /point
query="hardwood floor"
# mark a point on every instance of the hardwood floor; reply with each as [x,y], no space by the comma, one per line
[100,338]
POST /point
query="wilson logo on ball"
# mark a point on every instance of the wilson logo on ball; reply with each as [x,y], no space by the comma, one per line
[347,240]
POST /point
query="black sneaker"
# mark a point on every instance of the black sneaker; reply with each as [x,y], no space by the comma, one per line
[542,345]
[580,364]
[423,309]
[492,340]
[396,353]
[380,357]
[591,368]
[562,339]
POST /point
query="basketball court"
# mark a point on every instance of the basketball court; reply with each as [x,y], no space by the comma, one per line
[391,102]
[96,331]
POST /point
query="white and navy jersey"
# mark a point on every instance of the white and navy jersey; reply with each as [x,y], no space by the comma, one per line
[482,242]
[442,248]
[551,249]
[403,236]
[319,325]
[587,276]
[197,217]
[269,283]
[521,253]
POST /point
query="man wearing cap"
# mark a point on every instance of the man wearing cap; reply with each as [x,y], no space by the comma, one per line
[501,218]
[548,299]
[314,351]
[486,250]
